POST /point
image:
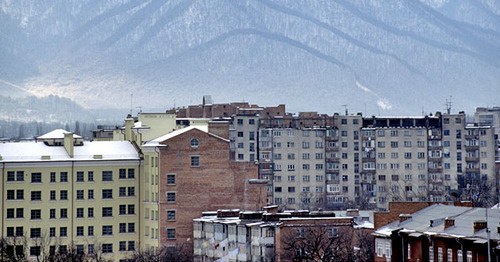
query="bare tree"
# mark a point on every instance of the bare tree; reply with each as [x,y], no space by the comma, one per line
[319,243]
[163,254]
[365,245]
[480,192]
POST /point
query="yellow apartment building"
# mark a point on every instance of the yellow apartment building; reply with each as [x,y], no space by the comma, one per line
[60,192]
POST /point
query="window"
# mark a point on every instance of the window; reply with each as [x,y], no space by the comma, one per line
[79,212]
[35,250]
[90,212]
[305,144]
[122,173]
[52,232]
[170,179]
[171,233]
[449,255]
[131,209]
[122,191]
[194,143]
[394,133]
[79,231]
[107,248]
[440,254]
[394,144]
[240,134]
[63,231]
[52,213]
[319,155]
[306,189]
[63,176]
[107,211]
[90,231]
[107,175]
[36,195]
[79,194]
[107,193]
[10,213]
[469,256]
[171,215]
[291,156]
[306,178]
[170,196]
[107,230]
[64,213]
[195,161]
[91,194]
[36,214]
[291,178]
[251,135]
[79,176]
[36,177]
[291,189]
[90,176]
[305,166]
[381,144]
[319,144]
[319,166]
[63,195]
[122,246]
[319,178]
[52,195]
[319,189]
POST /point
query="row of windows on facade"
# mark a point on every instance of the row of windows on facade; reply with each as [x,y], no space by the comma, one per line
[107,230]
[251,135]
[63,249]
[291,133]
[36,177]
[63,194]
[318,200]
[440,253]
[36,214]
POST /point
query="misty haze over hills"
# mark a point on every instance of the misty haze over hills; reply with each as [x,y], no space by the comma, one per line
[390,57]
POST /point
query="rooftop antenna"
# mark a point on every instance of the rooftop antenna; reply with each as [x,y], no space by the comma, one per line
[131,99]
[140,109]
[346,111]
[448,105]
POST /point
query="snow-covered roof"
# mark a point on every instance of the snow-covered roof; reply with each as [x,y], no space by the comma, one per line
[157,141]
[33,151]
[56,134]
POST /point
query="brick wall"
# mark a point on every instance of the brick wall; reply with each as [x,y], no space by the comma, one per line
[217,183]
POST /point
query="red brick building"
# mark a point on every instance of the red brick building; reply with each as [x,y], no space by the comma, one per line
[196,175]
[440,233]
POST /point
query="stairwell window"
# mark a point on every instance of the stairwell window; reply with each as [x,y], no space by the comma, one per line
[195,161]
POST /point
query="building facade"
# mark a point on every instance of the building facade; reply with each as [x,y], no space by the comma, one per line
[61,192]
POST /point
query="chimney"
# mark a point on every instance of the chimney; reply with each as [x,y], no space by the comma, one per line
[479,225]
[404,217]
[352,212]
[498,228]
[69,143]
[271,209]
[129,123]
[449,222]
[219,128]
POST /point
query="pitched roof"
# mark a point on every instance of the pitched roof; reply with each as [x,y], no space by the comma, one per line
[158,140]
[56,134]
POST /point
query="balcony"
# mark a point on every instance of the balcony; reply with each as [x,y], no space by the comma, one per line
[432,147]
[471,136]
[472,148]
[368,159]
[332,149]
[332,138]
[368,138]
[435,170]
[333,160]
[435,159]
[472,169]
[472,159]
